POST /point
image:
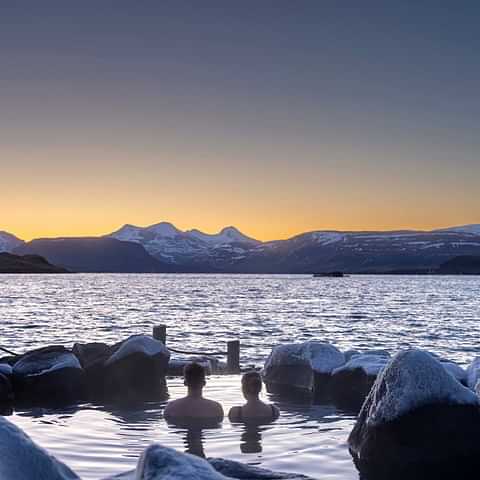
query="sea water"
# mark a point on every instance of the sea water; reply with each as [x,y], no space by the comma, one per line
[203,312]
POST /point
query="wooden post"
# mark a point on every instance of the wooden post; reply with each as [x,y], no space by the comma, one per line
[233,356]
[160,333]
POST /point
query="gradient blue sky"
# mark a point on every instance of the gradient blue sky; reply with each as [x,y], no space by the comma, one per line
[277,117]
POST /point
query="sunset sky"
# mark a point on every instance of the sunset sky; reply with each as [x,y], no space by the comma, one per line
[277,117]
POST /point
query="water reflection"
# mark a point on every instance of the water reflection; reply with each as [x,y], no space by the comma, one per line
[251,439]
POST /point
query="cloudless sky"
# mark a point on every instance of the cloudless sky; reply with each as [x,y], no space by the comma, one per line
[275,116]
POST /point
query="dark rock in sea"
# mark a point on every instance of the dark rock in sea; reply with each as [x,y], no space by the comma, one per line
[6,389]
[352,382]
[50,375]
[302,367]
[10,263]
[136,370]
[6,369]
[418,422]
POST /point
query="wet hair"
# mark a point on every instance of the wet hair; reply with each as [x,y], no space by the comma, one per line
[252,383]
[194,375]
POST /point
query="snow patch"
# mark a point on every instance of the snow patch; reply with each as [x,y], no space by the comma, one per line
[371,364]
[321,357]
[46,363]
[138,344]
[412,379]
[162,463]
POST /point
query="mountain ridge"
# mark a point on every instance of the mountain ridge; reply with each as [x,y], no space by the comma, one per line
[163,247]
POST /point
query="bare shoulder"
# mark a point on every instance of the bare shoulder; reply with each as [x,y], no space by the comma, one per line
[216,407]
[276,412]
[173,407]
[234,414]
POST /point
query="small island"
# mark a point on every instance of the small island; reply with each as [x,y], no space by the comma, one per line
[10,263]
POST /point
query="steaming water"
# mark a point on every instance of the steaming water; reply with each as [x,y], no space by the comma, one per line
[203,312]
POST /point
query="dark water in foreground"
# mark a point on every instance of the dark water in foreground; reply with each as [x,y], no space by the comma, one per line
[204,311]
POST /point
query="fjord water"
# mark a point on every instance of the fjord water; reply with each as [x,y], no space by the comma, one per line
[204,311]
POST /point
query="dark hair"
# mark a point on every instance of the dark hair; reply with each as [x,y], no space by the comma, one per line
[194,375]
[252,383]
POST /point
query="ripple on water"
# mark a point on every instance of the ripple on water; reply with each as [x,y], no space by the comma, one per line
[202,312]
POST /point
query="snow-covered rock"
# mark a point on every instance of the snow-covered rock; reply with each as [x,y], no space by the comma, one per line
[456,371]
[162,463]
[305,366]
[22,459]
[232,469]
[352,382]
[211,365]
[422,420]
[48,375]
[473,374]
[136,369]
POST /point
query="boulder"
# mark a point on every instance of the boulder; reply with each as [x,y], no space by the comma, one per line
[6,369]
[473,374]
[303,367]
[6,389]
[418,422]
[136,370]
[212,365]
[50,375]
[232,469]
[22,459]
[162,463]
[351,383]
[456,371]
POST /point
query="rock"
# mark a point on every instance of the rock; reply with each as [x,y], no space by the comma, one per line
[6,389]
[136,369]
[91,354]
[232,469]
[6,369]
[162,463]
[305,367]
[92,357]
[456,371]
[473,374]
[352,382]
[212,365]
[22,459]
[417,422]
[49,375]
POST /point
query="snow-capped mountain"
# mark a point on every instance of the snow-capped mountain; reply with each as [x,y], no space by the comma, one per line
[473,228]
[9,242]
[167,243]
[165,248]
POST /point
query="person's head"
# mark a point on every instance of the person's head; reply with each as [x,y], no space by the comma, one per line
[251,384]
[194,376]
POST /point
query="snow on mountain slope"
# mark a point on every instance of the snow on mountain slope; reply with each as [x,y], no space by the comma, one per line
[474,229]
[225,236]
[166,242]
[9,242]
